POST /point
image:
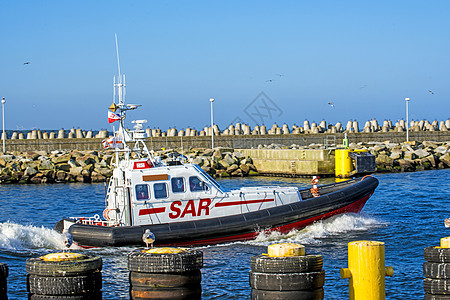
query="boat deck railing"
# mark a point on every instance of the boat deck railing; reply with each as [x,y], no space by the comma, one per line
[95,220]
[329,188]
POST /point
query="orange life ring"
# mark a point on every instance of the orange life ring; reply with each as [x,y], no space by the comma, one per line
[106,213]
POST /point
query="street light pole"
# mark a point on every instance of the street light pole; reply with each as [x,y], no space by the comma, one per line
[212,124]
[407,121]
[3,118]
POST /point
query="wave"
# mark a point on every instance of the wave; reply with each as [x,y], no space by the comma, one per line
[18,237]
[316,232]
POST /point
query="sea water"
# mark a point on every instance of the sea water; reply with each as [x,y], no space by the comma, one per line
[406,212]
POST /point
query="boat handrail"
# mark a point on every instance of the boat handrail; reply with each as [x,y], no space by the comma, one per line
[95,220]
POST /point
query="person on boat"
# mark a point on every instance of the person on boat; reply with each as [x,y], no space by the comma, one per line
[141,192]
[196,184]
[178,185]
[315,189]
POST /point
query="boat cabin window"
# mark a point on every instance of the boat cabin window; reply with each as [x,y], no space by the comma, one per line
[142,192]
[196,185]
[178,185]
[160,190]
[210,179]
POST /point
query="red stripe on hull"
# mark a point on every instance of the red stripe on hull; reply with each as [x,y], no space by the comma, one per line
[221,204]
[151,211]
[355,207]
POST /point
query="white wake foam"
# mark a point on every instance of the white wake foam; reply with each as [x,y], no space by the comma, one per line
[20,237]
[313,233]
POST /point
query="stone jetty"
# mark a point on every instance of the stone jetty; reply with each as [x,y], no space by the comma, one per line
[57,166]
[96,166]
[408,157]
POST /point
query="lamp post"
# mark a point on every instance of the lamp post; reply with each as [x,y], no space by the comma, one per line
[212,124]
[3,118]
[407,121]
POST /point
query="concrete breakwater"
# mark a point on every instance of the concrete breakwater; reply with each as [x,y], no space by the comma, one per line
[352,126]
[227,141]
[96,166]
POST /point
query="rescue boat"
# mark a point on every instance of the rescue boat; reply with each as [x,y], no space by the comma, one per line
[183,205]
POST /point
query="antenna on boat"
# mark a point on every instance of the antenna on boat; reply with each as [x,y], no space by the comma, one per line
[120,91]
[122,134]
[117,54]
[120,84]
[119,98]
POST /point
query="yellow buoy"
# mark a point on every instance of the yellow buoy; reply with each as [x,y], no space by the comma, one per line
[62,256]
[164,250]
[285,250]
[343,165]
[366,270]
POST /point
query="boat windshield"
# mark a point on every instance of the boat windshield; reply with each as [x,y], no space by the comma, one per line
[209,178]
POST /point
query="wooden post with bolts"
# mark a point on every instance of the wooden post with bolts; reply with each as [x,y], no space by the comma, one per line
[366,270]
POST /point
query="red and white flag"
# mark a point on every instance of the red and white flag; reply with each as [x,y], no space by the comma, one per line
[112,142]
[112,117]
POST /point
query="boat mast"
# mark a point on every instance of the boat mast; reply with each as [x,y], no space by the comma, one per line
[119,95]
[117,54]
[138,135]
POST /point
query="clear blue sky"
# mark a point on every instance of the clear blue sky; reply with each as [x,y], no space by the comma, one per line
[364,56]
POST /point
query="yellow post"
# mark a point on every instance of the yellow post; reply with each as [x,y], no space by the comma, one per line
[445,242]
[345,141]
[285,250]
[366,270]
[342,163]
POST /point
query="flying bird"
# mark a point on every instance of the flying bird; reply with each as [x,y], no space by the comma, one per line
[148,237]
[67,239]
[331,104]
[431,92]
[447,222]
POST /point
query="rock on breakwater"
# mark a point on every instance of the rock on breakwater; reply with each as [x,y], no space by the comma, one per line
[409,156]
[222,162]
